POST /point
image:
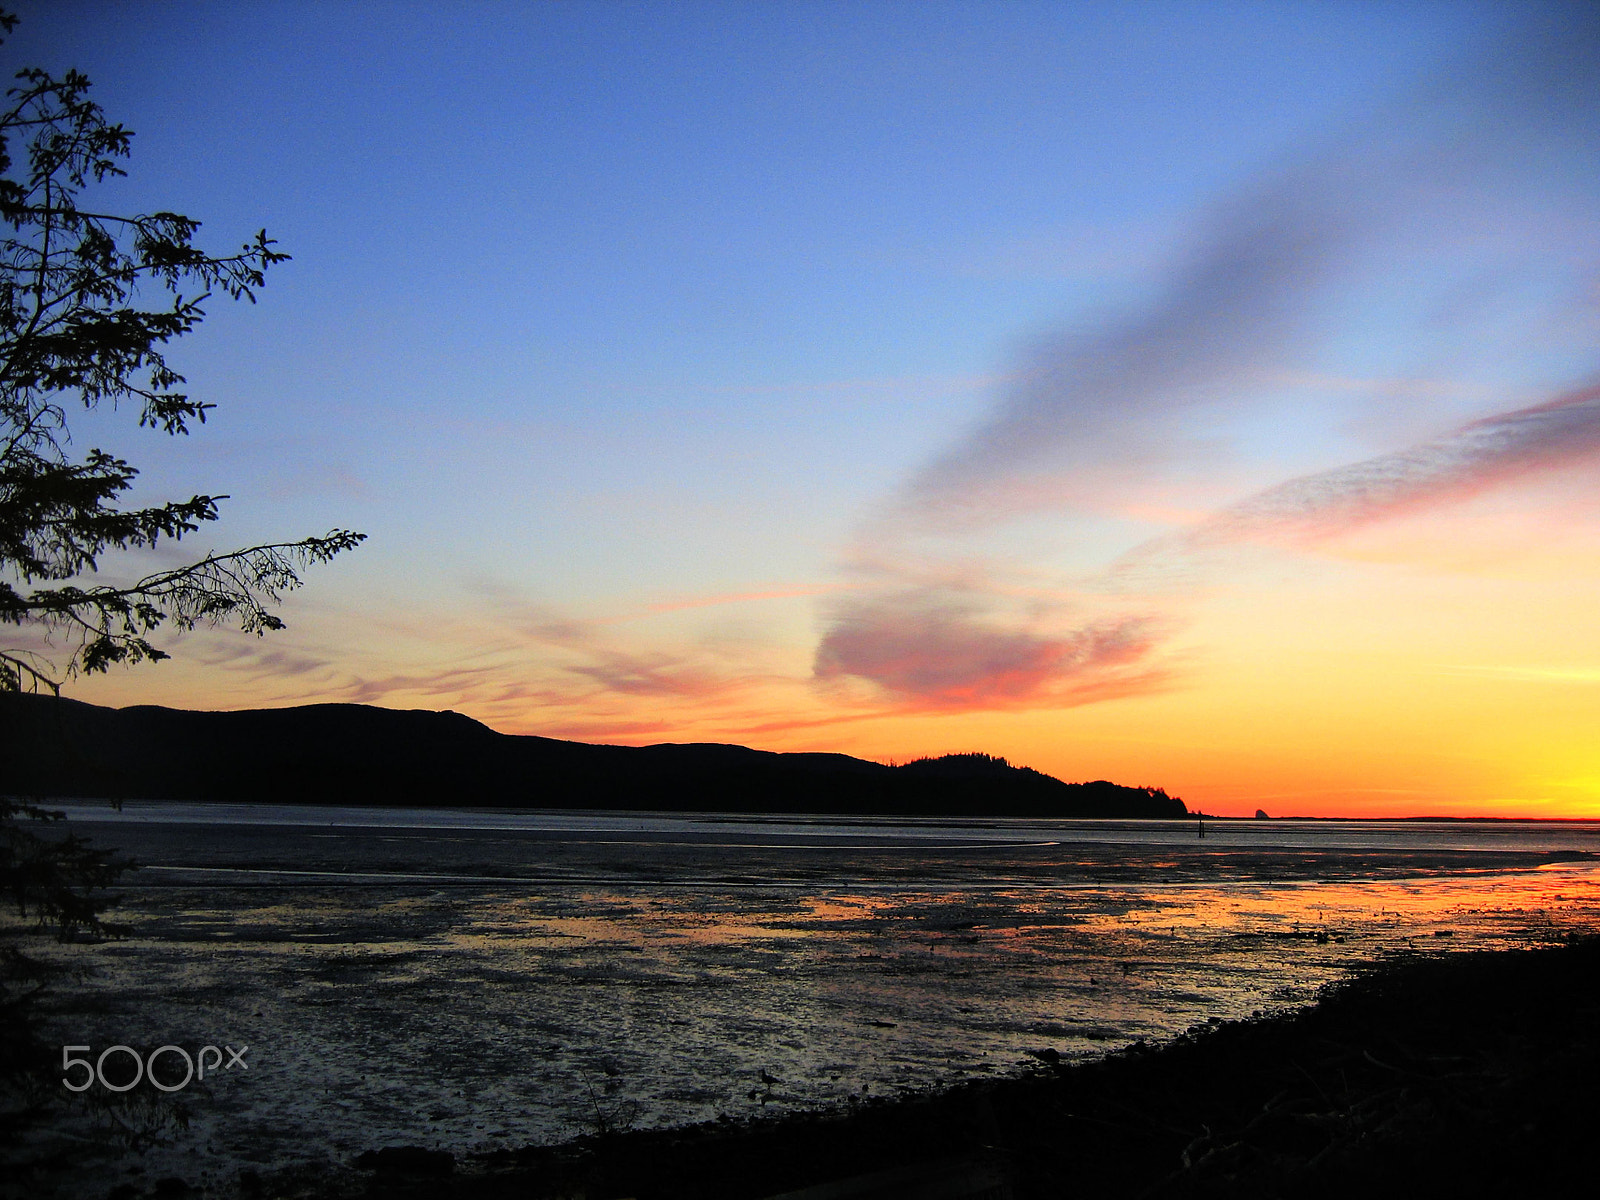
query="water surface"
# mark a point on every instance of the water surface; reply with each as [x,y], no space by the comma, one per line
[471,979]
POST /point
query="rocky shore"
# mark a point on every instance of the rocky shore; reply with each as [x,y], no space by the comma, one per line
[1463,1074]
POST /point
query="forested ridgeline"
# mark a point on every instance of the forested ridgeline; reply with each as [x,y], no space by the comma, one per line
[357,754]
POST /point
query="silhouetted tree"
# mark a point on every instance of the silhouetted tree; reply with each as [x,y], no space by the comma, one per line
[89,301]
[71,334]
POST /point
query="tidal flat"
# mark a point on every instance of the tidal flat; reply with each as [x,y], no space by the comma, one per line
[468,981]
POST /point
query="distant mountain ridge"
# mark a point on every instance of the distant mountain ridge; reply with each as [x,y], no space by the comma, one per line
[362,755]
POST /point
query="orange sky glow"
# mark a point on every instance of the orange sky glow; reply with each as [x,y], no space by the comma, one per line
[908,387]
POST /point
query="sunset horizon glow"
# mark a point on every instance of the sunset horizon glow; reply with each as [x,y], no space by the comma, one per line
[1195,396]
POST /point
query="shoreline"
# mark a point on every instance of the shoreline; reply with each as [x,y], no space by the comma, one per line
[110,808]
[870,991]
[1470,1073]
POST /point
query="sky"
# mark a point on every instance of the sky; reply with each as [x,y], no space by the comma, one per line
[1198,395]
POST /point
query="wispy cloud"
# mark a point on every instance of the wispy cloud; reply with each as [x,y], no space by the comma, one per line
[1098,421]
[261,658]
[594,663]
[1243,307]
[1313,508]
[645,675]
[929,649]
[1080,400]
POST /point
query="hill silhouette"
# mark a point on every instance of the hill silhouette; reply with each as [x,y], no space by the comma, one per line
[362,755]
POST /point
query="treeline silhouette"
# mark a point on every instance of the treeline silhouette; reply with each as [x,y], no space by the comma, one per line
[362,755]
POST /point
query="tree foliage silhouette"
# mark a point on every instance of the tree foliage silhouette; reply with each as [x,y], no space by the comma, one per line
[89,301]
[73,334]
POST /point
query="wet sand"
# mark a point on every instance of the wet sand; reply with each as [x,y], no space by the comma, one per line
[468,989]
[1464,1075]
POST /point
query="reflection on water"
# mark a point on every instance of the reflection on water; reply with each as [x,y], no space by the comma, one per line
[477,980]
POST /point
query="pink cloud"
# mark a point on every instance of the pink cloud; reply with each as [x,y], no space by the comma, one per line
[933,653]
[1477,457]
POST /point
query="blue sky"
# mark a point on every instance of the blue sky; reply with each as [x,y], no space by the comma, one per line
[600,313]
[613,225]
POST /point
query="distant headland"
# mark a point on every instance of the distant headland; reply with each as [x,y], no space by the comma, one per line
[362,755]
